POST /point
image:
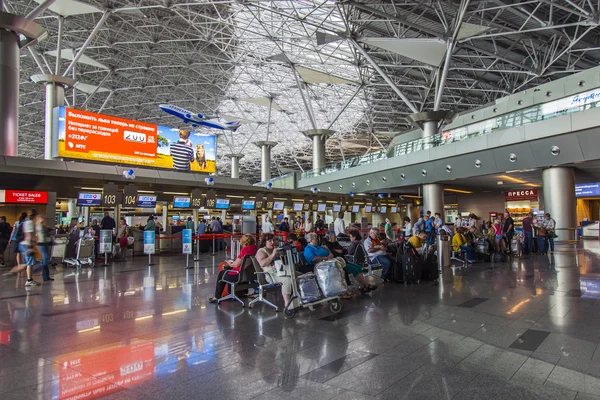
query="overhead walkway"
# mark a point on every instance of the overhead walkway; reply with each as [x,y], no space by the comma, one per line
[558,132]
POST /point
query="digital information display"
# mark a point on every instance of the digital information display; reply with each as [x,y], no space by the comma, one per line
[297,206]
[587,190]
[182,202]
[248,205]
[222,204]
[278,206]
[322,207]
[394,209]
[146,201]
[355,209]
[383,209]
[83,135]
[89,199]
[337,208]
[368,209]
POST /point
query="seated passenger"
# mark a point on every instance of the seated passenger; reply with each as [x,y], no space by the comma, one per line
[267,256]
[230,273]
[459,242]
[378,252]
[334,249]
[417,241]
[356,240]
[292,239]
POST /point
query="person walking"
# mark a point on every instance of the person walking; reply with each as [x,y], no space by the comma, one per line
[26,238]
[339,226]
[43,244]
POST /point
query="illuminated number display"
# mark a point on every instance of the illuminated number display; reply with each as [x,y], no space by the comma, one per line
[211,203]
[259,204]
[269,205]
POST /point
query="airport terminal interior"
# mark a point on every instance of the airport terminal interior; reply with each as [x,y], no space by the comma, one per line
[314,199]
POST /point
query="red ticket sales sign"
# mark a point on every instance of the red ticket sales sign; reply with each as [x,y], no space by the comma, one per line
[518,195]
[23,197]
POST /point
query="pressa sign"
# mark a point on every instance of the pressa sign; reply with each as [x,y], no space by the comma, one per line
[524,194]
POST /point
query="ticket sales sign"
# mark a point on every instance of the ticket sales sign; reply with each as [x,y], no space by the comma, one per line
[523,194]
[23,197]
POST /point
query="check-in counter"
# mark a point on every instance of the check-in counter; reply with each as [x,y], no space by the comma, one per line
[591,230]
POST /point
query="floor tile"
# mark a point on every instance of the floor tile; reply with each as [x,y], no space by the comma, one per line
[530,340]
[497,362]
[472,302]
[534,371]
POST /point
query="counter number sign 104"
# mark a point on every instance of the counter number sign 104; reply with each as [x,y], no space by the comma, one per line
[129,201]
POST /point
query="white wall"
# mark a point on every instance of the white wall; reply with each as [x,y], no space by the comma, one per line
[481,204]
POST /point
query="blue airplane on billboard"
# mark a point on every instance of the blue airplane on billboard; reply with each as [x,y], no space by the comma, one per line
[196,119]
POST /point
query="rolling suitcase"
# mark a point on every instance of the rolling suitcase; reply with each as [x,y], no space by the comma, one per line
[204,245]
[308,288]
[411,266]
[429,270]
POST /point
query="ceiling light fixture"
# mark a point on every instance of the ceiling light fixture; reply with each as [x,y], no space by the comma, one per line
[511,179]
[458,191]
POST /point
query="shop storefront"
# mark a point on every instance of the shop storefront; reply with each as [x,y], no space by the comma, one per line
[520,203]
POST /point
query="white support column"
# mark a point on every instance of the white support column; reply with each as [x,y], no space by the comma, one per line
[72,209]
[559,200]
[265,166]
[235,164]
[318,137]
[433,198]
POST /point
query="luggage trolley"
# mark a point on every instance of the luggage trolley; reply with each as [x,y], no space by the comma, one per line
[334,301]
[84,254]
[59,250]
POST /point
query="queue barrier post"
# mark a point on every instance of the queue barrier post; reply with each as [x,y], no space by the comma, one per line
[213,246]
[231,250]
[197,248]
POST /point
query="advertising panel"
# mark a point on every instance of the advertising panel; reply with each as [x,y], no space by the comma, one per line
[148,242]
[89,199]
[84,135]
[105,241]
[587,190]
[23,197]
[186,241]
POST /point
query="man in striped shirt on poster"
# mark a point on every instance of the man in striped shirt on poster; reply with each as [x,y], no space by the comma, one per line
[182,152]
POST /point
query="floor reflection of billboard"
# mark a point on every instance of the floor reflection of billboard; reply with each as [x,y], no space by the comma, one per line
[95,373]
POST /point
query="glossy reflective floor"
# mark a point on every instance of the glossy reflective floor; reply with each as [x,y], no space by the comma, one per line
[523,329]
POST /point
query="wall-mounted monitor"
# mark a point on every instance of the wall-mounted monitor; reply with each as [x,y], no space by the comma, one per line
[368,209]
[394,210]
[182,202]
[587,190]
[89,199]
[383,209]
[355,209]
[337,208]
[222,204]
[278,205]
[297,207]
[146,201]
[321,207]
[248,205]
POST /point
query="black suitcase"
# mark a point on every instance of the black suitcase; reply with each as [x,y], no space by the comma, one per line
[429,269]
[411,266]
[204,245]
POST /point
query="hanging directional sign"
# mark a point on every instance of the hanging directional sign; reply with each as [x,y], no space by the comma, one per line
[197,198]
[130,196]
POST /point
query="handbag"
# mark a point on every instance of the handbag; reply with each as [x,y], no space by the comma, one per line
[279,268]
[552,235]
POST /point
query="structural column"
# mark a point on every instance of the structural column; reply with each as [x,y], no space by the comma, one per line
[265,165]
[72,209]
[433,198]
[11,26]
[430,122]
[318,137]
[235,164]
[559,200]
[377,219]
[55,96]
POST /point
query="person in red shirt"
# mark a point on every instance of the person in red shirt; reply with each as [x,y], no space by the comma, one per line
[233,267]
[293,240]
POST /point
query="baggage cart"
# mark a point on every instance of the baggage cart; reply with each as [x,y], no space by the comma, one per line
[84,254]
[290,310]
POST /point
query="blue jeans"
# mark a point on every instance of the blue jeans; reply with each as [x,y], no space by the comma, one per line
[469,251]
[542,243]
[551,242]
[28,256]
[527,242]
[45,259]
[385,262]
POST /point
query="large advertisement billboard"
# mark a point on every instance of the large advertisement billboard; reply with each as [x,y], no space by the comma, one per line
[84,135]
